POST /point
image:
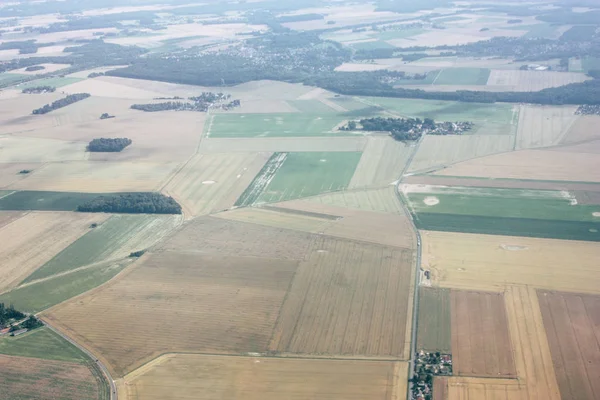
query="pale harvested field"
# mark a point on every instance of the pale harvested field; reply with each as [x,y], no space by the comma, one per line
[97,177]
[531,350]
[374,227]
[282,145]
[36,379]
[434,38]
[64,36]
[47,68]
[489,262]
[211,235]
[463,388]
[199,377]
[584,129]
[480,339]
[532,81]
[277,218]
[440,388]
[440,151]
[586,148]
[541,126]
[572,323]
[382,162]
[30,150]
[180,302]
[360,67]
[32,240]
[348,298]
[9,172]
[6,217]
[16,109]
[102,88]
[497,183]
[531,164]
[380,200]
[211,183]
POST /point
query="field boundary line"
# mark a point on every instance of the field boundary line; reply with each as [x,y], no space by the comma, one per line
[437,76]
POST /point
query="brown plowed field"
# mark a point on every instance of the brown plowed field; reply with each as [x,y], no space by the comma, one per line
[461,388]
[24,378]
[480,339]
[179,302]
[499,183]
[572,323]
[199,377]
[348,298]
[440,388]
[219,236]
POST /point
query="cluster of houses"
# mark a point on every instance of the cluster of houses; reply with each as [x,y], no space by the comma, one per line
[588,109]
[428,365]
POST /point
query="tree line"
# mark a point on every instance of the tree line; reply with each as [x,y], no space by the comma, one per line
[70,99]
[132,203]
[39,89]
[104,145]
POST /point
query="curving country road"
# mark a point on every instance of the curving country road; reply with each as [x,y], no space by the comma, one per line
[113,387]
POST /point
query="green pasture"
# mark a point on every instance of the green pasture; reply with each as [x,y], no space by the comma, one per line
[302,174]
[45,294]
[99,244]
[434,322]
[498,113]
[274,125]
[41,343]
[510,203]
[463,76]
[311,106]
[44,201]
[8,78]
[56,82]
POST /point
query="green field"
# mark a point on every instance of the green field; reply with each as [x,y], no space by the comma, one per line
[274,125]
[44,201]
[463,76]
[45,294]
[543,30]
[434,333]
[398,34]
[288,176]
[447,110]
[41,343]
[377,44]
[100,244]
[590,63]
[7,78]
[311,106]
[54,81]
[429,79]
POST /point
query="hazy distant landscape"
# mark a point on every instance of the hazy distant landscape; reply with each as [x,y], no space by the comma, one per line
[307,199]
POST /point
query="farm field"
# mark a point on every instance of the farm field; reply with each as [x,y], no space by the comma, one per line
[274,125]
[282,145]
[41,343]
[434,324]
[34,379]
[467,388]
[462,76]
[381,200]
[532,81]
[98,177]
[112,239]
[489,262]
[201,377]
[571,323]
[481,344]
[324,312]
[288,176]
[43,201]
[39,296]
[51,233]
[543,126]
[543,165]
[31,150]
[213,182]
[238,294]
[382,162]
[583,129]
[438,152]
[7,79]
[10,173]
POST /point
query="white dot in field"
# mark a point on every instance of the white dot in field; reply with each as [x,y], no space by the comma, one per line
[323,160]
[431,200]
[594,230]
[596,214]
[209,182]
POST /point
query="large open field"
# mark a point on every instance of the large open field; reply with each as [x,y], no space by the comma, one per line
[202,377]
[481,344]
[532,81]
[288,176]
[213,182]
[112,239]
[26,200]
[572,325]
[462,76]
[333,306]
[382,200]
[434,324]
[41,343]
[282,145]
[543,126]
[34,379]
[488,262]
[584,129]
[181,302]
[34,239]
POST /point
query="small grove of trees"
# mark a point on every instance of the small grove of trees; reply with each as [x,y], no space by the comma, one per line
[104,145]
[8,314]
[132,203]
[35,68]
[39,89]
[409,128]
[70,99]
[106,116]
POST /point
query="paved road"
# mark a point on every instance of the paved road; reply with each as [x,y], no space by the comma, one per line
[111,382]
